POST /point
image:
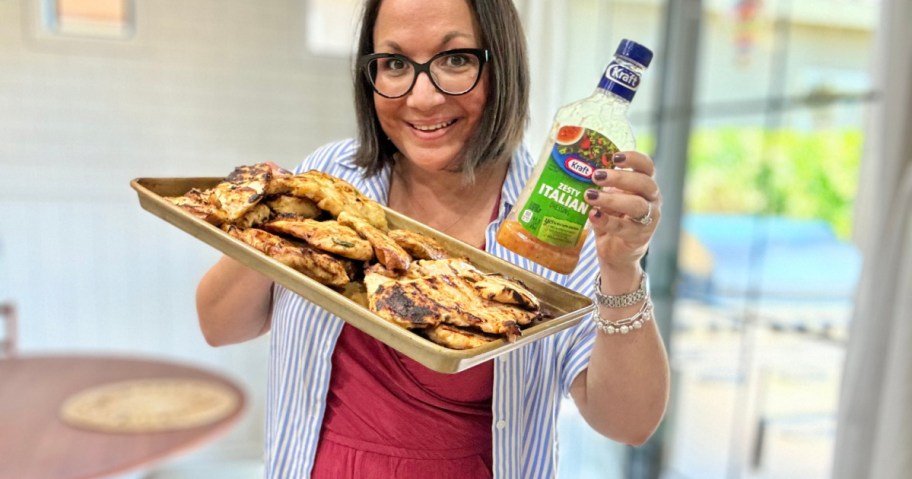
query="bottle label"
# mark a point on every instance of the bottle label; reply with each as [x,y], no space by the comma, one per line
[556,211]
[620,80]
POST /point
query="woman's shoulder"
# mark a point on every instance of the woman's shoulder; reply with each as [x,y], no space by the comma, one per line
[522,158]
[332,158]
[338,159]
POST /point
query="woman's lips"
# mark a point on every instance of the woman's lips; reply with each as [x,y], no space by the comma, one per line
[433,127]
[432,130]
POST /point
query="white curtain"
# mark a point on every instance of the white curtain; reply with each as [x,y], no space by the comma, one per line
[545,24]
[874,432]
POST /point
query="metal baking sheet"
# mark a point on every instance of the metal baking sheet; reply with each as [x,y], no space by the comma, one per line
[567,306]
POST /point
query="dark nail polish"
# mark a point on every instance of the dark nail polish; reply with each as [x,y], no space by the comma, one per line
[592,194]
[598,213]
[619,158]
[600,175]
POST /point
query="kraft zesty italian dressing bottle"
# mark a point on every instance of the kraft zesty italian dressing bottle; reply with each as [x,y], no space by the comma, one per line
[549,223]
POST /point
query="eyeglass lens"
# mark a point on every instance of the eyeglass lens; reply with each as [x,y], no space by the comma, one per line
[455,73]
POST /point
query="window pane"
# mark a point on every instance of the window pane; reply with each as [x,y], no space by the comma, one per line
[92,18]
[767,267]
[109,11]
[331,26]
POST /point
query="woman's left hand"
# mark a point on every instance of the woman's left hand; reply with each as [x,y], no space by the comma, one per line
[626,209]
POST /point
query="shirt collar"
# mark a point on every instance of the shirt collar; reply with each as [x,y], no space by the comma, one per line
[518,173]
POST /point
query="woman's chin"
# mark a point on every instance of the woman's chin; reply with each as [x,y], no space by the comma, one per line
[431,159]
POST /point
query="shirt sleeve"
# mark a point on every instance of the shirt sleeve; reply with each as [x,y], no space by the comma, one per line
[574,347]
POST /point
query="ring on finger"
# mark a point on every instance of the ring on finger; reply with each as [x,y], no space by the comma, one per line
[647,218]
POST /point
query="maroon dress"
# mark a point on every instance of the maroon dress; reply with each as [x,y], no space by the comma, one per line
[388,416]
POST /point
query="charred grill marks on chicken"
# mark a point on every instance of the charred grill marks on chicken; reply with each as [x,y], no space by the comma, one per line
[323,227]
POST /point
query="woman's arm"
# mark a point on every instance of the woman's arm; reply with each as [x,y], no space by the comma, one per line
[233,302]
[624,391]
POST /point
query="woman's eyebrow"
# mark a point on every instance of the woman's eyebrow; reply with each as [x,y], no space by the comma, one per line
[454,34]
[393,46]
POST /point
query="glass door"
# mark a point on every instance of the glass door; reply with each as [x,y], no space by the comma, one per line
[766,266]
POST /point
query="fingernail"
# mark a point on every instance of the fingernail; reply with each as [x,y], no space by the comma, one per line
[598,213]
[592,194]
[619,158]
[600,175]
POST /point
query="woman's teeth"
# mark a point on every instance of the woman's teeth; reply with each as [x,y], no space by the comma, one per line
[434,127]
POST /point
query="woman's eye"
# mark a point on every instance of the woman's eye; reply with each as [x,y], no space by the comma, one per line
[457,60]
[395,64]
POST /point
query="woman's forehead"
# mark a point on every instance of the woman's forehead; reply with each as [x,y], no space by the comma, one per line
[403,25]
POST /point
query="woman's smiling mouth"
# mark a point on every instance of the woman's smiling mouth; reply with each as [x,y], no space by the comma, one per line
[434,127]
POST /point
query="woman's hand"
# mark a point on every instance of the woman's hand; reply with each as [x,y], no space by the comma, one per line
[630,371]
[626,209]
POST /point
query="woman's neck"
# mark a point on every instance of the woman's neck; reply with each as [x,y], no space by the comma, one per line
[444,201]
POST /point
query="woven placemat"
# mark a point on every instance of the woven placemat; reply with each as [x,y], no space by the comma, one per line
[149,405]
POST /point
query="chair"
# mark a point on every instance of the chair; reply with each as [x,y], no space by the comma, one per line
[8,340]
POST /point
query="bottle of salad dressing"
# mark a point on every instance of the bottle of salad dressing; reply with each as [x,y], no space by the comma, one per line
[549,223]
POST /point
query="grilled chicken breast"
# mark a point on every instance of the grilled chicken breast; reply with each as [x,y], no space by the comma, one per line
[451,266]
[320,266]
[457,338]
[398,303]
[418,245]
[257,215]
[428,301]
[386,250]
[200,204]
[328,236]
[498,288]
[494,287]
[240,191]
[292,206]
[331,194]
[448,299]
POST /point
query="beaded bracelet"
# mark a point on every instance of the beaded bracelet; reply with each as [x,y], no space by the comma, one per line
[625,325]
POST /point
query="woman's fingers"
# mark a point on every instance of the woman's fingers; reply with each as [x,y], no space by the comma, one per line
[637,181]
[627,189]
[634,160]
[625,196]
[619,203]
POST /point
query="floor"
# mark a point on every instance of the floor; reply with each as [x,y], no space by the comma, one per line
[752,399]
[756,398]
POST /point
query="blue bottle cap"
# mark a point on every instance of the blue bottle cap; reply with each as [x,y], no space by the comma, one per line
[635,52]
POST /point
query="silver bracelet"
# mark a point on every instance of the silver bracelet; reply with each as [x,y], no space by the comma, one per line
[622,300]
[625,325]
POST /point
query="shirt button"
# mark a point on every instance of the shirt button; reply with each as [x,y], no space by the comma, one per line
[501,424]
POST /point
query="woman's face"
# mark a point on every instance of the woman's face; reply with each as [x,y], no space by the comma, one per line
[427,126]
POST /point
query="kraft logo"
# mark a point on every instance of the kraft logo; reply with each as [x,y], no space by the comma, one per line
[579,167]
[624,76]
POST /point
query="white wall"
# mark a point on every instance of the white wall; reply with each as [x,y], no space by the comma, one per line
[205,86]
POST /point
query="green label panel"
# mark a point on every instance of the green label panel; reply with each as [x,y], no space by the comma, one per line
[556,211]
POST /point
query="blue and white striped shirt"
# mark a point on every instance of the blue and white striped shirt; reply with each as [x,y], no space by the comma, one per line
[529,382]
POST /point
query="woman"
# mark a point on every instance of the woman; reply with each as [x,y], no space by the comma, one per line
[441,95]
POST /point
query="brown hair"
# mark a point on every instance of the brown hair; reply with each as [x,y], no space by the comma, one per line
[506,112]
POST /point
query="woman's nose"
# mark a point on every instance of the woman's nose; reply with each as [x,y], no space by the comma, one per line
[424,94]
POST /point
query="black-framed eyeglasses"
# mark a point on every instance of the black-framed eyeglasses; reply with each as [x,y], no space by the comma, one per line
[453,72]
